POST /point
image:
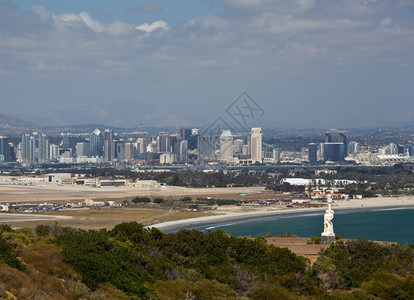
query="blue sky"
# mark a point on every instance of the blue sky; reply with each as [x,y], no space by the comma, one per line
[308,63]
[172,11]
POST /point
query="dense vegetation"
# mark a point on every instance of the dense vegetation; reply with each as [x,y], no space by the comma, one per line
[131,261]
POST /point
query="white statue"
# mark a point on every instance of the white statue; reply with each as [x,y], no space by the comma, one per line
[328,234]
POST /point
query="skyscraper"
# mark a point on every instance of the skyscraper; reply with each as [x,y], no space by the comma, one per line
[334,152]
[226,146]
[96,146]
[43,149]
[82,149]
[26,149]
[185,133]
[313,152]
[184,152]
[343,140]
[164,142]
[328,137]
[256,145]
[109,145]
[5,148]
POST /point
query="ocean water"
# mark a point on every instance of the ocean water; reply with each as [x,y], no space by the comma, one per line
[396,225]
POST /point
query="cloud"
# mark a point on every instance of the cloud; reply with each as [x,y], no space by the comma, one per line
[144,8]
[259,45]
[155,26]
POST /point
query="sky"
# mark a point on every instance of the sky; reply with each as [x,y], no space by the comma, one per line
[303,63]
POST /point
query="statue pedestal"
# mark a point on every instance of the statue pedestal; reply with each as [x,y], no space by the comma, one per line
[327,239]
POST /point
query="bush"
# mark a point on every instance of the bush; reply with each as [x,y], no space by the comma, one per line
[158,200]
[141,200]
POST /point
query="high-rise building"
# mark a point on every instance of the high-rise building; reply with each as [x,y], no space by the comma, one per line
[313,152]
[129,151]
[82,149]
[53,151]
[185,133]
[109,145]
[354,148]
[256,145]
[26,149]
[184,152]
[226,146]
[334,152]
[206,147]
[119,150]
[96,144]
[66,145]
[328,137]
[143,143]
[343,140]
[164,142]
[276,153]
[5,148]
[43,149]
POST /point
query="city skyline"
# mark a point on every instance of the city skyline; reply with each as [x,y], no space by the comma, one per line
[306,63]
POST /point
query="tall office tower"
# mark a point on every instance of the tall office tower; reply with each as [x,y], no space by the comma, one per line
[5,148]
[409,150]
[343,140]
[129,151]
[354,148]
[256,145]
[226,146]
[83,149]
[206,147]
[328,137]
[313,152]
[33,149]
[184,152]
[66,143]
[334,152]
[53,151]
[26,149]
[185,133]
[276,153]
[119,151]
[164,142]
[109,145]
[143,143]
[96,146]
[392,149]
[238,146]
[175,141]
[43,149]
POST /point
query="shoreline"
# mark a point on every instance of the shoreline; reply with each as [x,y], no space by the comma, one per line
[340,206]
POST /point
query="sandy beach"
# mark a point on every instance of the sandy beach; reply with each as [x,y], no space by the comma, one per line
[233,214]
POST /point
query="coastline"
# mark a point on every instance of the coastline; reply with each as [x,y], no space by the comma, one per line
[226,215]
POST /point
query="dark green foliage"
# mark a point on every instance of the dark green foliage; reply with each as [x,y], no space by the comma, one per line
[141,200]
[186,199]
[7,251]
[354,262]
[158,200]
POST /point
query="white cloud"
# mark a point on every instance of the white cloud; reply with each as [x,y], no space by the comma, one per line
[157,25]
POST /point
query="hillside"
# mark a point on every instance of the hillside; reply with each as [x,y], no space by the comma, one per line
[131,262]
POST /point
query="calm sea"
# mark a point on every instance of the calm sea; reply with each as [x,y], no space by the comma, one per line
[380,225]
